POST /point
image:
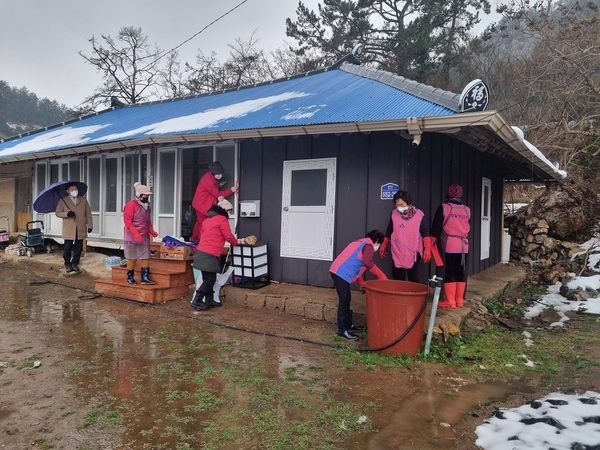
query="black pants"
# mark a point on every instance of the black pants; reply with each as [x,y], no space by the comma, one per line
[208,282]
[455,271]
[412,274]
[342,288]
[76,247]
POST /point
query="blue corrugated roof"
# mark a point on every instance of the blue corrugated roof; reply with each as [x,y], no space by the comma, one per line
[334,96]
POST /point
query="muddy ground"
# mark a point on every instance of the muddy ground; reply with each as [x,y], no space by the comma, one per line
[66,355]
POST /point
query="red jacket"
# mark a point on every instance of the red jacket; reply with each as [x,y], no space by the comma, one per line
[207,193]
[215,231]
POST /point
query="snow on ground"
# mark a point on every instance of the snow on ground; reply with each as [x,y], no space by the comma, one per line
[557,421]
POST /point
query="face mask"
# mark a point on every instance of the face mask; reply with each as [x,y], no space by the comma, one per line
[74,193]
[144,199]
[402,208]
[376,247]
[219,176]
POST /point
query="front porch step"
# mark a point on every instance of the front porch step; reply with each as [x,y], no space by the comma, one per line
[145,293]
[163,277]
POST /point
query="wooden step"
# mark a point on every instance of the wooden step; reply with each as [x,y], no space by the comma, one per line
[163,277]
[145,293]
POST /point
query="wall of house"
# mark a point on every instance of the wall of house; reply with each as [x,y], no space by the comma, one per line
[364,163]
[15,194]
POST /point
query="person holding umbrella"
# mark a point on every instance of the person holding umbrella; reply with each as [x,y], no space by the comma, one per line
[137,217]
[77,222]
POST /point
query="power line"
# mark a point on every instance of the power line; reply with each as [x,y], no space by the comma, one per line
[196,34]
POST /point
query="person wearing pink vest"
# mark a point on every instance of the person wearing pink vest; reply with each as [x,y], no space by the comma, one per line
[408,235]
[348,267]
[450,227]
[137,230]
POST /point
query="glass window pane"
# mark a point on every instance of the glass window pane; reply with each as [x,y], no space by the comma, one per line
[309,187]
[40,177]
[74,170]
[131,175]
[486,197]
[93,183]
[110,200]
[167,187]
[53,173]
[226,156]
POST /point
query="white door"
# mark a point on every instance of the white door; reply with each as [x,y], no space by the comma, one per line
[486,200]
[308,201]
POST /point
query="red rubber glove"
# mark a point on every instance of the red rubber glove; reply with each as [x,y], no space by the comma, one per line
[378,273]
[426,249]
[152,231]
[137,237]
[361,284]
[383,248]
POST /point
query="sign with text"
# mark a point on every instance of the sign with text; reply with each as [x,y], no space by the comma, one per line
[388,190]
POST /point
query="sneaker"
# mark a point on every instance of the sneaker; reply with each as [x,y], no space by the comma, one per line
[68,268]
[348,335]
[75,267]
[357,328]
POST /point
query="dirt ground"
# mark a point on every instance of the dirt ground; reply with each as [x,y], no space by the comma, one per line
[42,349]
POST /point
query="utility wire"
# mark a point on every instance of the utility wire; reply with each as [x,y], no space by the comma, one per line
[196,34]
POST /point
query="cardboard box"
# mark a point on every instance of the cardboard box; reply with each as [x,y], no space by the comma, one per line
[183,252]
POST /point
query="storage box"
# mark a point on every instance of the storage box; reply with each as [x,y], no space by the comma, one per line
[182,252]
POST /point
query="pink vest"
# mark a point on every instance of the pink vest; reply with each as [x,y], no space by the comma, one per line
[406,239]
[349,264]
[454,238]
[141,222]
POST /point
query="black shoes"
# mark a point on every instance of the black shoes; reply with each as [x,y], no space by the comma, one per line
[69,268]
[75,267]
[356,328]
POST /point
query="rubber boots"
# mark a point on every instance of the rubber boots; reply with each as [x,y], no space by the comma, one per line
[146,276]
[199,301]
[130,279]
[343,330]
[449,296]
[350,325]
[461,287]
[210,299]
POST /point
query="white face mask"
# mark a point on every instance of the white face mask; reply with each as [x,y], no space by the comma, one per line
[219,176]
[376,247]
[74,193]
[402,208]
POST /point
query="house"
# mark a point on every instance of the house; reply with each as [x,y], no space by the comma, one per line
[318,157]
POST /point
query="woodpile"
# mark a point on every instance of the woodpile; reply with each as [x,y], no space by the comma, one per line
[542,233]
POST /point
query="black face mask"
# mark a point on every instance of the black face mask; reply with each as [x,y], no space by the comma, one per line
[144,199]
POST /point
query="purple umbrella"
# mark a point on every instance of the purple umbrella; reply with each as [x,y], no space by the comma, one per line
[48,199]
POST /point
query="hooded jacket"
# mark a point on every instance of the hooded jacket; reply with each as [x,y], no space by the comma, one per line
[215,231]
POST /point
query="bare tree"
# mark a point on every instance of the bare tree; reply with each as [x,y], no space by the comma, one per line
[130,68]
[552,82]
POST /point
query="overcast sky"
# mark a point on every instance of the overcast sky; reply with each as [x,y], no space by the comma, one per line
[40,39]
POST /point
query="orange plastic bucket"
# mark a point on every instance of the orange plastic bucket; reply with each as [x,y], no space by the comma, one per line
[392,307]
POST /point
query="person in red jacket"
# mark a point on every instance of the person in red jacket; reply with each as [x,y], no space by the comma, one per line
[215,231]
[207,194]
[408,233]
[137,216]
[348,267]
[451,228]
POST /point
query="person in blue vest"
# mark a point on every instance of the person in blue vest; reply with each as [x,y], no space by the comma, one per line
[450,227]
[348,267]
[408,234]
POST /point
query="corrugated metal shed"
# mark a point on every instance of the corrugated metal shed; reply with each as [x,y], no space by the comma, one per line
[345,94]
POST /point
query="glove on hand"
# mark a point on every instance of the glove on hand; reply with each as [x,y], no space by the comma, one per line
[361,284]
[378,273]
[89,230]
[152,231]
[70,214]
[241,241]
[383,248]
[234,188]
[137,237]
[426,249]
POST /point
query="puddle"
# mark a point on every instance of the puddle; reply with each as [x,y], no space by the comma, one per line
[175,380]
